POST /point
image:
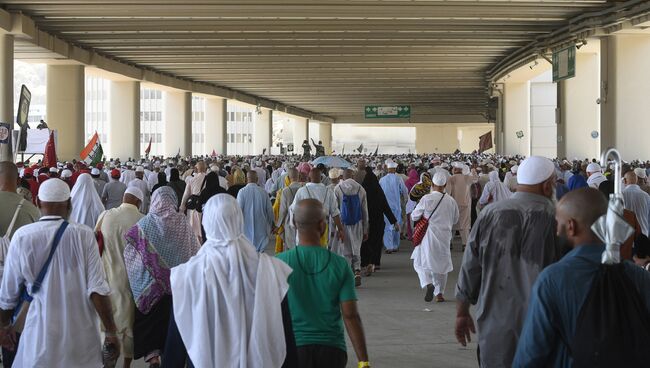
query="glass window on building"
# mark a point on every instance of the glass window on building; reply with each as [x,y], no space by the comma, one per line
[97,107]
[33,76]
[151,120]
[240,129]
[198,127]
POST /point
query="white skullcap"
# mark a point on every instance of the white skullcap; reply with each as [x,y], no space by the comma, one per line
[444,165]
[54,170]
[94,171]
[640,172]
[139,169]
[334,173]
[514,169]
[214,168]
[593,167]
[66,173]
[135,191]
[535,170]
[440,179]
[391,164]
[54,190]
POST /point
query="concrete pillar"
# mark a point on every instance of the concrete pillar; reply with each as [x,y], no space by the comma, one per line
[263,132]
[66,108]
[6,89]
[608,66]
[178,123]
[216,118]
[579,112]
[625,113]
[124,129]
[516,103]
[300,133]
[325,135]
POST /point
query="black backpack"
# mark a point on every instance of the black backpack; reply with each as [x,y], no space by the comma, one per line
[613,327]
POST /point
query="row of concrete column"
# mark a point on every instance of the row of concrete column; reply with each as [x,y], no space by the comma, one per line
[66,113]
[608,95]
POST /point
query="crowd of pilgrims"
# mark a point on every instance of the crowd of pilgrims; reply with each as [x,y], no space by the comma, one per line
[170,254]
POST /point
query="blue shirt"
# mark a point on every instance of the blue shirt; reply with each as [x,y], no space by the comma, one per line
[258,215]
[555,303]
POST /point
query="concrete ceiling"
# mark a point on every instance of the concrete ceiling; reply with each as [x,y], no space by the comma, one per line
[329,57]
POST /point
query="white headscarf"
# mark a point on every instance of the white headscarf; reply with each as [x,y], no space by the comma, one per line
[227,298]
[86,204]
[500,191]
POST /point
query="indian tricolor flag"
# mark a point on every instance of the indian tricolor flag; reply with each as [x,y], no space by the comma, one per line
[93,152]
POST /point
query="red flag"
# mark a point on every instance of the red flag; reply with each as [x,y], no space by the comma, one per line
[214,153]
[146,151]
[485,142]
[49,157]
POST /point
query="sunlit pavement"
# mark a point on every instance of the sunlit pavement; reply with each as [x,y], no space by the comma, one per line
[402,330]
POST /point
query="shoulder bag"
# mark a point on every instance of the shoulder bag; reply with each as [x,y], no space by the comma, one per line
[423,224]
[20,312]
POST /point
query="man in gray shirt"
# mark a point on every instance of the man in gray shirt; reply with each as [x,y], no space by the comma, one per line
[113,191]
[10,200]
[510,243]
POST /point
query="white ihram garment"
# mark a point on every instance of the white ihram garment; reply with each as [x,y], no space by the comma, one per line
[227,298]
[353,233]
[86,204]
[62,326]
[433,255]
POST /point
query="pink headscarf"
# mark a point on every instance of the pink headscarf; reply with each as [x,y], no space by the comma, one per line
[304,168]
[412,180]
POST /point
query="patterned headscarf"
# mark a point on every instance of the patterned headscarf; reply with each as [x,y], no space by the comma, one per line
[422,188]
[159,241]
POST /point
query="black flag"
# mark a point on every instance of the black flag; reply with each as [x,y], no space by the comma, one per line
[485,142]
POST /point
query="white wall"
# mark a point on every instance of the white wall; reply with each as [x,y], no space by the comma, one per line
[582,114]
[543,128]
[517,106]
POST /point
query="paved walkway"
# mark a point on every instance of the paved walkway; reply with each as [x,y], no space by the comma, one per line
[402,330]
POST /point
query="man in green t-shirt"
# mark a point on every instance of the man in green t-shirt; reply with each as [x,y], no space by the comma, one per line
[321,295]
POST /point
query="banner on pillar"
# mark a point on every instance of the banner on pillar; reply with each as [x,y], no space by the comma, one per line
[93,152]
[485,142]
[564,64]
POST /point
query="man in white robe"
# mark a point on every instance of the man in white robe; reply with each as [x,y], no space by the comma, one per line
[114,224]
[396,194]
[432,258]
[127,174]
[194,187]
[316,190]
[637,201]
[594,175]
[357,232]
[139,183]
[227,298]
[61,328]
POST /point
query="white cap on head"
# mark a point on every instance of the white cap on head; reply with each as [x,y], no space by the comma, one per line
[66,173]
[54,170]
[54,190]
[514,169]
[391,164]
[334,173]
[593,167]
[439,179]
[640,172]
[535,170]
[214,168]
[94,171]
[135,191]
[139,169]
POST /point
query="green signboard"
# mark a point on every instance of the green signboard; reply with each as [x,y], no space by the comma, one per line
[564,64]
[387,112]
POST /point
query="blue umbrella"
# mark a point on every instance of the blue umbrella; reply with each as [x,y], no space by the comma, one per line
[332,161]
